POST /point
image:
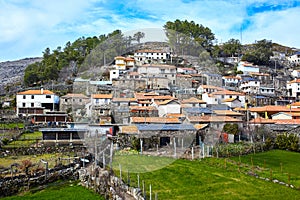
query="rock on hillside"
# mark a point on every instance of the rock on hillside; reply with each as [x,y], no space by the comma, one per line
[12,72]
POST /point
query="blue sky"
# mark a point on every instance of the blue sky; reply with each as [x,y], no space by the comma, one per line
[27,27]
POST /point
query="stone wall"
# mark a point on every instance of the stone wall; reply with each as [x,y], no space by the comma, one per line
[13,185]
[105,183]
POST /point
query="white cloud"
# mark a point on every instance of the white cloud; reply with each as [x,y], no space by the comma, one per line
[29,26]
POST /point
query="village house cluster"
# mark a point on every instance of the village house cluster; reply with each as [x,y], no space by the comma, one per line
[146,97]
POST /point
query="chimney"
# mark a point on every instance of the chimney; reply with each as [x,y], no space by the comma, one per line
[42,90]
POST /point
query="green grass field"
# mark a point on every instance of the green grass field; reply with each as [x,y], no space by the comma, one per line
[11,125]
[210,178]
[26,140]
[140,163]
[281,164]
[59,191]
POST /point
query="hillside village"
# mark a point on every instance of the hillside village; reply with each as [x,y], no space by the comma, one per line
[147,98]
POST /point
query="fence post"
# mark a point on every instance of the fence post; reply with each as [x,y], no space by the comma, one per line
[192,153]
[150,192]
[138,177]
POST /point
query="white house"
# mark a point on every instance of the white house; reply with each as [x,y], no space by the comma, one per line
[231,80]
[232,102]
[293,88]
[247,67]
[114,74]
[208,89]
[250,85]
[220,96]
[267,90]
[28,102]
[295,58]
[150,54]
[167,107]
[295,73]
[156,69]
[185,70]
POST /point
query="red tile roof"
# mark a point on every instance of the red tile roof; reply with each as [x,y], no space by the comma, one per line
[294,81]
[227,112]
[141,108]
[272,108]
[35,92]
[160,120]
[102,96]
[227,92]
[73,95]
[192,100]
[208,118]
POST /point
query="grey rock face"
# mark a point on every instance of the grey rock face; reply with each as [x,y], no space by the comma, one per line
[12,72]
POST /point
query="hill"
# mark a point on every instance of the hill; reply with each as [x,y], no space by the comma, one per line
[12,72]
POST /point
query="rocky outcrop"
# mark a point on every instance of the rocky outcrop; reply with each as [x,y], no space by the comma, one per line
[12,73]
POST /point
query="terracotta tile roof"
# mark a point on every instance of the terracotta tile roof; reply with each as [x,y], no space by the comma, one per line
[119,58]
[73,95]
[232,77]
[287,121]
[160,120]
[227,112]
[294,81]
[272,108]
[295,104]
[184,75]
[227,92]
[192,100]
[240,109]
[200,126]
[261,120]
[150,96]
[141,108]
[123,99]
[145,102]
[102,96]
[165,102]
[35,92]
[178,115]
[229,100]
[129,59]
[208,118]
[211,87]
[133,73]
[129,129]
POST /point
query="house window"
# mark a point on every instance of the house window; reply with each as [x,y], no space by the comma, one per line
[32,96]
[24,105]
[162,70]
[24,96]
[66,100]
[230,96]
[32,104]
[48,96]
[222,96]
[80,100]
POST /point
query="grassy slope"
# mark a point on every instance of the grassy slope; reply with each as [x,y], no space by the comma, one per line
[282,164]
[61,192]
[207,179]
